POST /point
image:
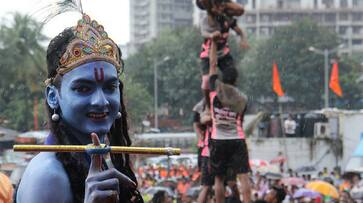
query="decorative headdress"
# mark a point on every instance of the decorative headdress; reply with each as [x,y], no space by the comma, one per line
[91,42]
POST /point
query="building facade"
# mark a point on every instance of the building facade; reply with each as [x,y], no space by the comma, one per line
[149,17]
[345,17]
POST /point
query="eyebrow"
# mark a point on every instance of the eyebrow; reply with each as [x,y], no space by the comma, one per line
[87,81]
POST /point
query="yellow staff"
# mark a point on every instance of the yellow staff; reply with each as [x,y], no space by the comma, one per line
[92,149]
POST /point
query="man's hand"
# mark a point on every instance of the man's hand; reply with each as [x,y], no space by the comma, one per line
[216,35]
[103,186]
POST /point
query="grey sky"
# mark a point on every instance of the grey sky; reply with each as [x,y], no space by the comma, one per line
[112,14]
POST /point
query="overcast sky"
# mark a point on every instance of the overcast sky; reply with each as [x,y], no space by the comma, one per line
[112,14]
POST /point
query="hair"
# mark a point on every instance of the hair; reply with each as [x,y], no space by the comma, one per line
[230,75]
[158,197]
[280,193]
[75,164]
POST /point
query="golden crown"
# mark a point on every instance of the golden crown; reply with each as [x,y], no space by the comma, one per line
[91,43]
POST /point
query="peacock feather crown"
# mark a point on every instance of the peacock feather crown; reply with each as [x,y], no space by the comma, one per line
[90,44]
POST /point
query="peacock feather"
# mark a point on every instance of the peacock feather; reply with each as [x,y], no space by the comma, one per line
[54,8]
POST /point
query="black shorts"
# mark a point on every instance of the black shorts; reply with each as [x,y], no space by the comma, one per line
[223,63]
[199,158]
[207,178]
[229,156]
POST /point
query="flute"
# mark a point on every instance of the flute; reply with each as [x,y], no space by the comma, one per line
[101,149]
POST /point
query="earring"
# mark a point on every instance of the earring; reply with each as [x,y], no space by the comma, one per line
[118,115]
[55,116]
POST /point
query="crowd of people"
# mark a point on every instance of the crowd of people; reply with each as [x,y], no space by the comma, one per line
[186,183]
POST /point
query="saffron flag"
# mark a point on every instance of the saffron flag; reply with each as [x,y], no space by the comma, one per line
[276,84]
[334,81]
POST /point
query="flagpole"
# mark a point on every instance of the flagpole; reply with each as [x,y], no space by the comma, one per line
[326,53]
[326,78]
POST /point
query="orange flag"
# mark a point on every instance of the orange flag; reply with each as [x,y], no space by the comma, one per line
[334,81]
[276,84]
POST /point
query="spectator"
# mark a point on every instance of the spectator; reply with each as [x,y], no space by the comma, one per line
[161,197]
[276,195]
[290,126]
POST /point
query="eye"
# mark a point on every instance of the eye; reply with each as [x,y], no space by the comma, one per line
[82,89]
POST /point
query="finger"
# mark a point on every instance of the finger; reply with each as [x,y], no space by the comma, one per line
[106,196]
[107,141]
[96,160]
[109,184]
[113,173]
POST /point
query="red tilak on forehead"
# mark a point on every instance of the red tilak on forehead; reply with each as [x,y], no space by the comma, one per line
[99,78]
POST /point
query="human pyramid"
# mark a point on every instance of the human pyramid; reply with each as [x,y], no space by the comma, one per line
[218,120]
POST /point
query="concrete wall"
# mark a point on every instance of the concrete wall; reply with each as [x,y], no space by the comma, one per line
[299,151]
[311,151]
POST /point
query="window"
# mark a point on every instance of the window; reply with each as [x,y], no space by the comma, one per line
[343,30]
[330,18]
[357,17]
[357,42]
[250,19]
[343,16]
[344,3]
[265,18]
[280,4]
[357,30]
[357,3]
[328,3]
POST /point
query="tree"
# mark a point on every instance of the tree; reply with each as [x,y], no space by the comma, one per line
[301,71]
[23,69]
[137,101]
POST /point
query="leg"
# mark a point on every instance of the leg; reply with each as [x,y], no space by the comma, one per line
[205,79]
[234,187]
[219,189]
[203,195]
[213,54]
[241,164]
[245,187]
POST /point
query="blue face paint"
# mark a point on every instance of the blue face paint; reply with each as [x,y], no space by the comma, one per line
[89,98]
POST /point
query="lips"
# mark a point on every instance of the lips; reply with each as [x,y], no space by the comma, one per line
[97,116]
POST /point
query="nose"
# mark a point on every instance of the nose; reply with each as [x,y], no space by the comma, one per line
[98,99]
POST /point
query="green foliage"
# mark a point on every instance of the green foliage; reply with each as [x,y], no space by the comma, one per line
[137,101]
[349,72]
[22,66]
[178,78]
[301,71]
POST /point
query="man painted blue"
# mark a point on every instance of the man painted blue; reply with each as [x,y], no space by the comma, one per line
[84,100]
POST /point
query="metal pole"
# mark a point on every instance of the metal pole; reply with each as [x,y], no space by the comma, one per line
[326,78]
[156,122]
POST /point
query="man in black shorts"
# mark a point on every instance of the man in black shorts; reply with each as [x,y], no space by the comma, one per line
[228,149]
